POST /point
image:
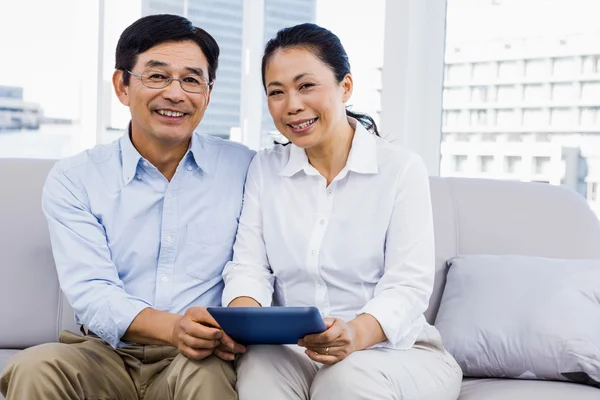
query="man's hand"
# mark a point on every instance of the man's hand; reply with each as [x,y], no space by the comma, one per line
[333,345]
[227,348]
[196,334]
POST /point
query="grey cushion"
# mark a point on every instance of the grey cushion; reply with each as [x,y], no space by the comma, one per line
[511,389]
[523,317]
[486,216]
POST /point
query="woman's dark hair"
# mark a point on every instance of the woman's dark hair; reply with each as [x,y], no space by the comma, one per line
[326,46]
[153,30]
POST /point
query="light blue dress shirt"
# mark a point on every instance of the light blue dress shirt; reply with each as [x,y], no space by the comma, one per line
[124,238]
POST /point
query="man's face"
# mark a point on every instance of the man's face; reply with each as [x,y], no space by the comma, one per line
[170,114]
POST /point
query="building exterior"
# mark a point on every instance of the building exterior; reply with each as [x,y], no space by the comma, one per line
[279,14]
[224,20]
[15,113]
[525,109]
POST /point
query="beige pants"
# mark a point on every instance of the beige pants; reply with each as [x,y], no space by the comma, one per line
[88,368]
[285,372]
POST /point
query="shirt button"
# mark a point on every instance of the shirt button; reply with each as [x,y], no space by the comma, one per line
[189,168]
[145,163]
[164,279]
[329,191]
[322,222]
[312,252]
[138,177]
[169,238]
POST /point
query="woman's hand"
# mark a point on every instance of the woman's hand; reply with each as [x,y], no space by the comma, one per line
[244,302]
[333,345]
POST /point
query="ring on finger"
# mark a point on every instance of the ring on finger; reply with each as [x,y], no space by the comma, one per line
[327,351]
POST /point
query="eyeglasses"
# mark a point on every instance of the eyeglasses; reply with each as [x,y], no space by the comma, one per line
[160,80]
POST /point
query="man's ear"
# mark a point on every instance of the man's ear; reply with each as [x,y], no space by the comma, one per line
[347,86]
[121,90]
[208,95]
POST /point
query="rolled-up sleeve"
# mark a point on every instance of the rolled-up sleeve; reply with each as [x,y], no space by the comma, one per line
[86,273]
[249,274]
[402,294]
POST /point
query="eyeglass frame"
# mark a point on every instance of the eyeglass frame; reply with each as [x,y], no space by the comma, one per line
[169,80]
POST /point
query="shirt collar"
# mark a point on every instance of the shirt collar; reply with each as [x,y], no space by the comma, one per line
[131,157]
[362,158]
[199,153]
[363,153]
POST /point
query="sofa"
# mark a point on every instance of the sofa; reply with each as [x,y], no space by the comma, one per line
[472,216]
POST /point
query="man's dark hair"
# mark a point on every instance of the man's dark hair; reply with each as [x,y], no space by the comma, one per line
[153,30]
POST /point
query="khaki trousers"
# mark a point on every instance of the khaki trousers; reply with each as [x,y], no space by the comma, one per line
[86,367]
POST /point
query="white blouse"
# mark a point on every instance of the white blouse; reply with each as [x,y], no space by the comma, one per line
[365,244]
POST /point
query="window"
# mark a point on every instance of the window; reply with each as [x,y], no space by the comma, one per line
[512,164]
[534,93]
[507,93]
[561,117]
[505,117]
[590,91]
[536,68]
[590,64]
[563,67]
[534,117]
[489,137]
[457,72]
[486,163]
[452,118]
[47,118]
[479,94]
[460,163]
[514,137]
[541,165]
[588,116]
[594,191]
[563,92]
[507,70]
[482,71]
[545,97]
[455,95]
[479,118]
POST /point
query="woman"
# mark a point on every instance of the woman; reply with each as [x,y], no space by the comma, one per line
[341,220]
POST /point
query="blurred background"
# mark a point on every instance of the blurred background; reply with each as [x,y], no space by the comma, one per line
[502,89]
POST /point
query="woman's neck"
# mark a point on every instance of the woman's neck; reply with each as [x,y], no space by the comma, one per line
[330,157]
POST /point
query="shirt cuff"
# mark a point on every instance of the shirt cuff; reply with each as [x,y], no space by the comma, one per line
[112,324]
[247,287]
[390,318]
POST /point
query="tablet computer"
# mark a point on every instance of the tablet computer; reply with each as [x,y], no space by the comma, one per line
[268,325]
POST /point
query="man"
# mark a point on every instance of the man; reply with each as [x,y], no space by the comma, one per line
[141,229]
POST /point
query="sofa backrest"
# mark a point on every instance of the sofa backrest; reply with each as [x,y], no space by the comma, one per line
[471,216]
[484,216]
[32,308]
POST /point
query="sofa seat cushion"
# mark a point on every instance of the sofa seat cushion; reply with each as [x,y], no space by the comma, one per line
[6,355]
[513,389]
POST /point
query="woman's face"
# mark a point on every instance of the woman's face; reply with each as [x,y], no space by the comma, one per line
[305,101]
